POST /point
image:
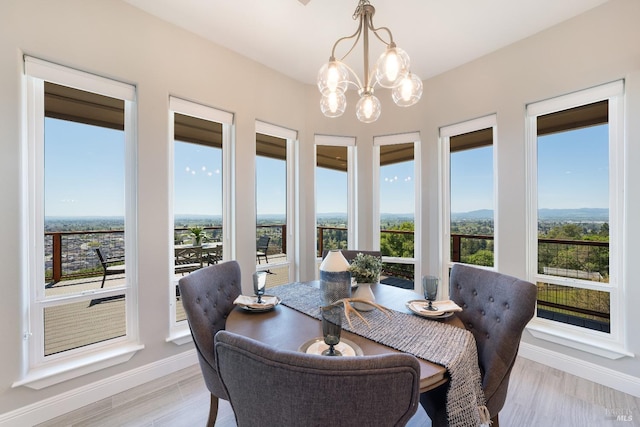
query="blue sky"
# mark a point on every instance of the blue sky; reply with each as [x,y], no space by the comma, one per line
[573,169]
[84,176]
[84,170]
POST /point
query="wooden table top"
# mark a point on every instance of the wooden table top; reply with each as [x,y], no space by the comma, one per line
[288,329]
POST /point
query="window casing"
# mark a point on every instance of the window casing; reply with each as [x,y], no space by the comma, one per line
[565,119]
[276,195]
[400,245]
[200,142]
[467,152]
[335,181]
[64,103]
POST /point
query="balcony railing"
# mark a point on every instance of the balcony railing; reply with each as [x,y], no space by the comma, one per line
[70,255]
[579,259]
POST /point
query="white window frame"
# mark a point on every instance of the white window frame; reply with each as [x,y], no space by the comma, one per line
[41,371]
[612,345]
[293,256]
[179,332]
[402,138]
[350,143]
[446,133]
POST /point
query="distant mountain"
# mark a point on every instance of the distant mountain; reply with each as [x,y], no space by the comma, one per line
[472,215]
[583,214]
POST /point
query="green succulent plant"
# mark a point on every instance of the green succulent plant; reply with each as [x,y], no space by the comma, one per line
[366,268]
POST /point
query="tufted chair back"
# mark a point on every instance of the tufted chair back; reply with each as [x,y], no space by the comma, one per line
[207,296]
[268,386]
[496,309]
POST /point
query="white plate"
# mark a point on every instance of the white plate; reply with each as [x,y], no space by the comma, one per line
[317,346]
[255,309]
[424,313]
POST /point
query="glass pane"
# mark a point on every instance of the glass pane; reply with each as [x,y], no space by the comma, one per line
[197,201]
[84,199]
[331,198]
[80,324]
[581,307]
[573,214]
[471,183]
[573,199]
[271,205]
[84,158]
[397,207]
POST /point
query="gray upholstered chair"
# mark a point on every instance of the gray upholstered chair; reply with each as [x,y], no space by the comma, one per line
[268,387]
[207,296]
[496,309]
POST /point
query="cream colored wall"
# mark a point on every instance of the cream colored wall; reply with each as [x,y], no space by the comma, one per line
[115,40]
[597,47]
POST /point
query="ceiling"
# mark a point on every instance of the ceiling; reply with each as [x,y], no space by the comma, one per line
[296,39]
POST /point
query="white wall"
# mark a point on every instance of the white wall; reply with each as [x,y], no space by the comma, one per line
[115,40]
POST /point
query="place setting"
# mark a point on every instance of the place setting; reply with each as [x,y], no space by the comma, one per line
[430,307]
[331,344]
[259,302]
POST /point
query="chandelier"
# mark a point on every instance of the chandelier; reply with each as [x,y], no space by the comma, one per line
[391,71]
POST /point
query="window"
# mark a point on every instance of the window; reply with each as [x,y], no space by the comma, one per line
[576,202]
[201,195]
[80,153]
[396,205]
[275,213]
[468,213]
[335,202]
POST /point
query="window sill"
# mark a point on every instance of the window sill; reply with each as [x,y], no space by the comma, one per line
[57,372]
[180,334]
[584,341]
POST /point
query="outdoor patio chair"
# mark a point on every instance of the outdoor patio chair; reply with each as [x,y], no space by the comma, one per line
[261,248]
[495,308]
[188,259]
[268,386]
[110,265]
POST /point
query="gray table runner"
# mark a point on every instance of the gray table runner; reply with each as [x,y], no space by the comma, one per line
[449,346]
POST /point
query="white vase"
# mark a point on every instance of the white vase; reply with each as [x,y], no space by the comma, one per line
[364,292]
[335,278]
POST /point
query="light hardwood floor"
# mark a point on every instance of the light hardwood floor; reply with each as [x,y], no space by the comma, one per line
[538,396]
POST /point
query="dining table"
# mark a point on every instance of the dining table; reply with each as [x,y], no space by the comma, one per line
[288,329]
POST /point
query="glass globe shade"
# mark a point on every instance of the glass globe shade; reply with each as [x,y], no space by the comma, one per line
[333,104]
[408,92]
[391,67]
[333,77]
[368,108]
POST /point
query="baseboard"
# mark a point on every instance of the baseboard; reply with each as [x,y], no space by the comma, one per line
[589,371]
[55,406]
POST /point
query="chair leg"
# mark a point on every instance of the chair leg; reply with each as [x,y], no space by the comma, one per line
[494,421]
[213,411]
[103,279]
[434,403]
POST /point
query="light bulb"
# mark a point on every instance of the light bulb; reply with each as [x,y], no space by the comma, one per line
[333,104]
[333,77]
[391,67]
[406,89]
[408,92]
[368,108]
